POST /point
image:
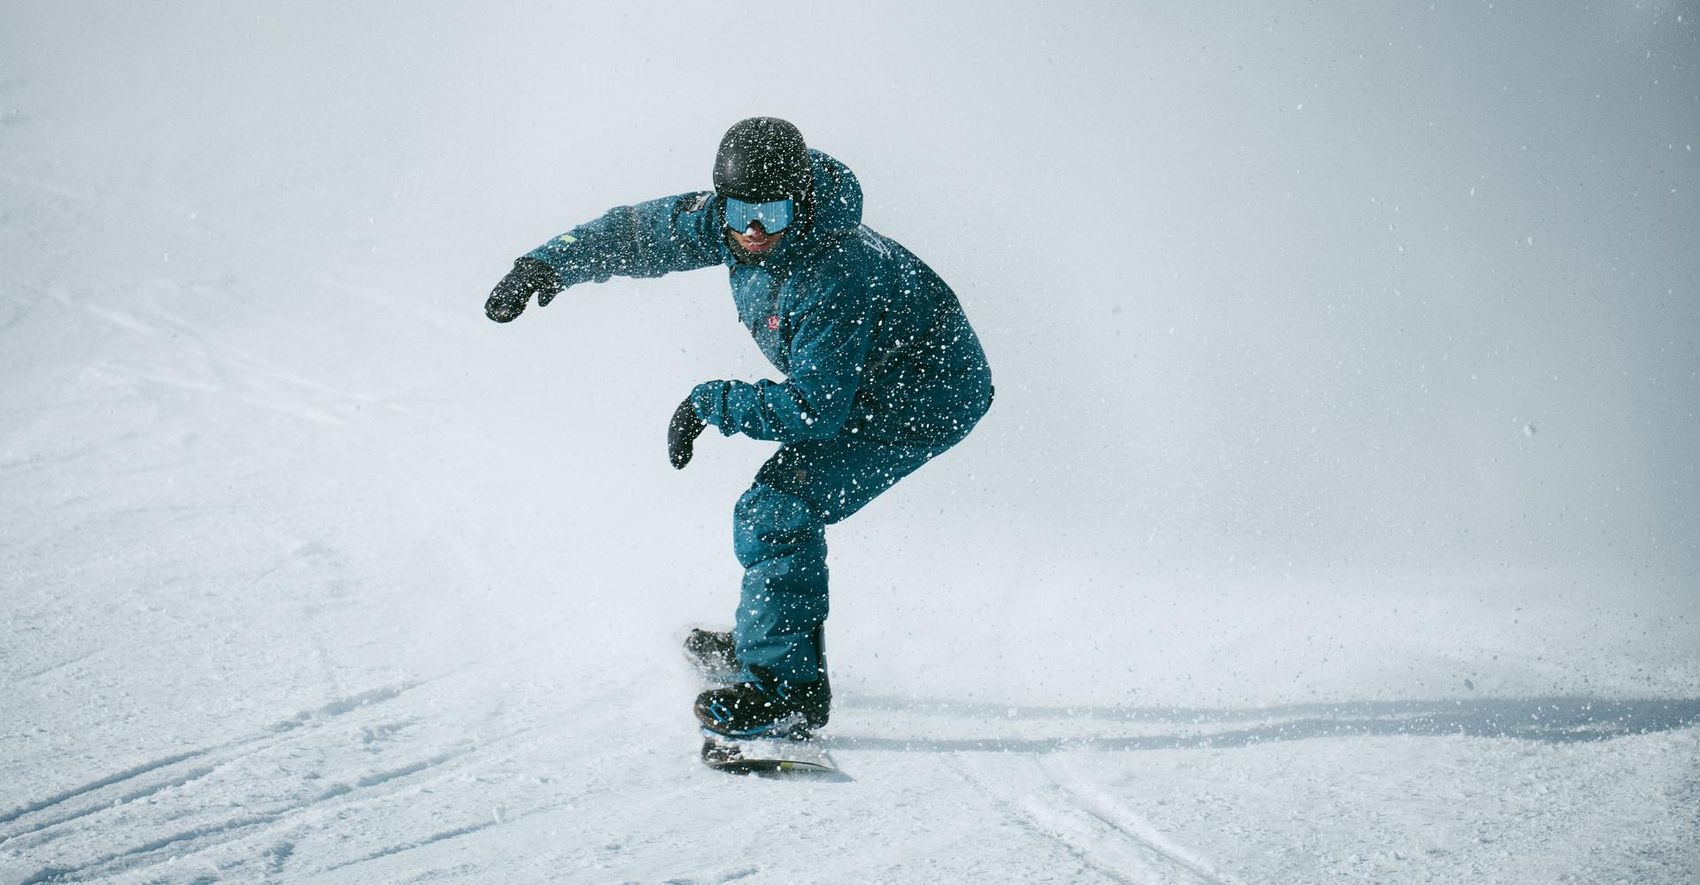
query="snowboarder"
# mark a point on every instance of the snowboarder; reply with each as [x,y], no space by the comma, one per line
[882,374]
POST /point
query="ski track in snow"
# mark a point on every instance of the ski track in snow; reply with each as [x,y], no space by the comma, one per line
[51,669]
[1087,797]
[1104,834]
[35,825]
[199,364]
[1046,768]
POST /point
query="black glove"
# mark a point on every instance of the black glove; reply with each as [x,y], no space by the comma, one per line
[682,432]
[529,275]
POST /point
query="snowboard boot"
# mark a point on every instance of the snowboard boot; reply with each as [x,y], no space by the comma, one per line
[712,654]
[765,708]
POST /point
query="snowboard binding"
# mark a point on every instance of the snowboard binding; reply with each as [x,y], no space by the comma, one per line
[758,725]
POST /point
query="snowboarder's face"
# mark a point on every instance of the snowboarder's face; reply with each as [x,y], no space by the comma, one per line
[756,240]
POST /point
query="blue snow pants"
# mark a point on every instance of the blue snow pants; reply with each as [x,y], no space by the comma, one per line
[779,535]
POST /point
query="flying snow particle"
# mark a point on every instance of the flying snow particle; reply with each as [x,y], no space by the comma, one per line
[1529,430]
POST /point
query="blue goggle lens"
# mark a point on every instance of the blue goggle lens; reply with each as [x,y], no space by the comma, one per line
[774,216]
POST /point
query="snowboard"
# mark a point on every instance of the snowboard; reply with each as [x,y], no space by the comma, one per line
[765,755]
[751,755]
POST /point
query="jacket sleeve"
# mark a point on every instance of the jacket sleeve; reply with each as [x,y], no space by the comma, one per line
[646,240]
[829,349]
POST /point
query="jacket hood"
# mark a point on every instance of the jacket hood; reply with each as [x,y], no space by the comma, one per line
[837,198]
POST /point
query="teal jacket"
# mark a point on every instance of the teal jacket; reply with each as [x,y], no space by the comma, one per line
[870,340]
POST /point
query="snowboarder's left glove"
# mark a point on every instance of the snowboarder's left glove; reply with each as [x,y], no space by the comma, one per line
[682,433]
[510,295]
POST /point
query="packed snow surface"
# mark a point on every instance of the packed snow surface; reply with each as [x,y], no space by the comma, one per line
[1336,521]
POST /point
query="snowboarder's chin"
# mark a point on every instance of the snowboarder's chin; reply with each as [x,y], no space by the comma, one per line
[758,246]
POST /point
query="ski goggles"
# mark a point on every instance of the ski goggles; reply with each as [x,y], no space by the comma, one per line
[774,216]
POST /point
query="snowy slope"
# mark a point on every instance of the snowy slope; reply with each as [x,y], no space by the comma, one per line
[1335,522]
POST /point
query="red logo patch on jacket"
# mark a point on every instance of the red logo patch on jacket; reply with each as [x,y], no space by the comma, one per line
[773,324]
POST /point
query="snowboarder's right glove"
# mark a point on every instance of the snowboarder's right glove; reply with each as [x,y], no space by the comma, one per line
[529,275]
[682,433]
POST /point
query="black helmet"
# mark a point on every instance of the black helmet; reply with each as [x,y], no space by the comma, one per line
[763,159]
